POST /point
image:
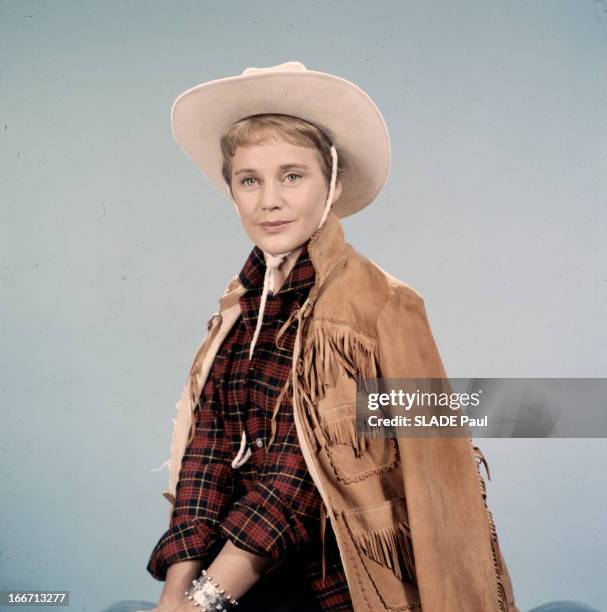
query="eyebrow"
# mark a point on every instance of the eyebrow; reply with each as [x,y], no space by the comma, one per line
[282,168]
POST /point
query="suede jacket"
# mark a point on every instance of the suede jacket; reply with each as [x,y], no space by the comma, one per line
[409,514]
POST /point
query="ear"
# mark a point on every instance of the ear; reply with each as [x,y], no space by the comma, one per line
[337,192]
[228,189]
[231,196]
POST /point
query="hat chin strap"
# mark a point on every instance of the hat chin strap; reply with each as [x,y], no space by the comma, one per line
[275,261]
[272,263]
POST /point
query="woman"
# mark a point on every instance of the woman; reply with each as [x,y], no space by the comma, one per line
[265,446]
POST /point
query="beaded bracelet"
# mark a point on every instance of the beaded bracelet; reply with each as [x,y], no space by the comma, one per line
[206,594]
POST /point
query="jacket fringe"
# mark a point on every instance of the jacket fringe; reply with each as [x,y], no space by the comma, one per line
[345,431]
[501,591]
[194,377]
[351,430]
[390,547]
[327,345]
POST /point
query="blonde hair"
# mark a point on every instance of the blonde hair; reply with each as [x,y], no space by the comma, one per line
[255,129]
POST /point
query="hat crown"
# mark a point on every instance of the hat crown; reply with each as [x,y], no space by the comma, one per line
[278,68]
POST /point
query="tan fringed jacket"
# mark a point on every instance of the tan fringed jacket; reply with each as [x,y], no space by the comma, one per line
[399,507]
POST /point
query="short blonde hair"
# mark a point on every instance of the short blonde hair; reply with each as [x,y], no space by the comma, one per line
[256,129]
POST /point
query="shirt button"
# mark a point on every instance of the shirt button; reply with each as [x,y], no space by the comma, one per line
[259,442]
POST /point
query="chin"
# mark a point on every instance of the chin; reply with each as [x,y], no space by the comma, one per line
[278,244]
[276,247]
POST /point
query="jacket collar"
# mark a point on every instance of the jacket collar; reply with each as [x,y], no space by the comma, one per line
[324,249]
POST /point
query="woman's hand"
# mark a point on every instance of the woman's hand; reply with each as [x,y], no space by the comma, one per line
[162,608]
[168,605]
[185,605]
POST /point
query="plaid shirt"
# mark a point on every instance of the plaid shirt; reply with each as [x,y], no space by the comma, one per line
[270,505]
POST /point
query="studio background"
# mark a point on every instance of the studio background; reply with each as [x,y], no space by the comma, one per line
[114,251]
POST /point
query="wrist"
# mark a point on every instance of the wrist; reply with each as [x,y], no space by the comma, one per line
[208,595]
[170,601]
[178,579]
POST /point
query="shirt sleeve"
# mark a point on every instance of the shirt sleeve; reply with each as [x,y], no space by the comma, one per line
[204,493]
[281,513]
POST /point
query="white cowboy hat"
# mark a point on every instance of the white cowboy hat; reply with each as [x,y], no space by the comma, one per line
[343,111]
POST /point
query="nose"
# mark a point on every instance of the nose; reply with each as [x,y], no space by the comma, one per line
[270,197]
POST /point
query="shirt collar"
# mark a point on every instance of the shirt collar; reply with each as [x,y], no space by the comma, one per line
[301,275]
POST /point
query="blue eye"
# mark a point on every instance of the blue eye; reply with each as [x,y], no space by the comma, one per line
[248,178]
[293,174]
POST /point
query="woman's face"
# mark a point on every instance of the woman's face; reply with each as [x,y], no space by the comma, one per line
[276,181]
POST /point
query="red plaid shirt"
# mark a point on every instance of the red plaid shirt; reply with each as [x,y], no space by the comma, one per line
[270,505]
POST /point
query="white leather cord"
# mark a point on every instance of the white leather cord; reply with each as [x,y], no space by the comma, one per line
[331,186]
[272,263]
[242,457]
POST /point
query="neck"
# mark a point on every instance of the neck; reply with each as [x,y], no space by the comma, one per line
[281,273]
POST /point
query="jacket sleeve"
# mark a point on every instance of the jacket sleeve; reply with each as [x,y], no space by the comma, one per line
[278,515]
[204,493]
[451,528]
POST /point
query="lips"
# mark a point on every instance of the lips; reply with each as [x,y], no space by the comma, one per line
[274,223]
[274,227]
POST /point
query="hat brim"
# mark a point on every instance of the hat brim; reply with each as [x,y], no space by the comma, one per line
[201,115]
